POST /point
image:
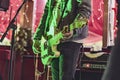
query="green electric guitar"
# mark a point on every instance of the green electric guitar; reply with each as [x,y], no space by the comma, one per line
[49,46]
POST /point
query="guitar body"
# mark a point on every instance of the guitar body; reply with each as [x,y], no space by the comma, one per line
[49,46]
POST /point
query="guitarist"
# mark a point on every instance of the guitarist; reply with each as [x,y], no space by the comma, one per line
[64,13]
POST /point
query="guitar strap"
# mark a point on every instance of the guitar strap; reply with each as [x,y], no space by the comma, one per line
[58,26]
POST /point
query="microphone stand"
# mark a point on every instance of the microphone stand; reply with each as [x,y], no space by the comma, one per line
[13,27]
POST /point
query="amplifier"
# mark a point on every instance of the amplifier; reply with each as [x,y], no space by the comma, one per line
[94,61]
[91,66]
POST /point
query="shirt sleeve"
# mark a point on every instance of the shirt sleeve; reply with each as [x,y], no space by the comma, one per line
[84,8]
[80,33]
[84,11]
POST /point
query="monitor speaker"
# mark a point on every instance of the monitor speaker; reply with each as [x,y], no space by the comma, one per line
[4,5]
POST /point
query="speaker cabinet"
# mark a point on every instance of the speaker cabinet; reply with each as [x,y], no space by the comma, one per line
[28,67]
[88,75]
[4,64]
[91,68]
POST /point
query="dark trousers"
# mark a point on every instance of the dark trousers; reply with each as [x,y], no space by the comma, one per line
[63,68]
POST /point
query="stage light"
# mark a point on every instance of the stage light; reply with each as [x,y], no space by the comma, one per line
[4,5]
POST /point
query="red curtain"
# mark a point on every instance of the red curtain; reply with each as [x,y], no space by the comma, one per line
[96,21]
[6,17]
